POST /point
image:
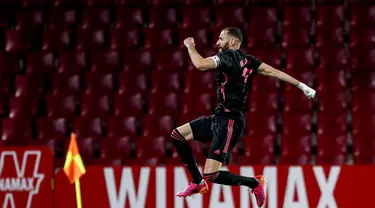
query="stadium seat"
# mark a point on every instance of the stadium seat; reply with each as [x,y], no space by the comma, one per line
[129,104]
[363,101]
[236,19]
[264,38]
[66,84]
[330,37]
[259,121]
[362,37]
[72,62]
[17,41]
[331,80]
[138,61]
[171,60]
[51,129]
[331,101]
[61,17]
[157,125]
[300,58]
[98,3]
[132,82]
[57,39]
[4,84]
[91,39]
[105,61]
[362,15]
[304,75]
[362,59]
[33,3]
[259,149]
[95,105]
[85,126]
[163,17]
[165,2]
[164,103]
[22,107]
[268,15]
[150,151]
[198,81]
[95,17]
[363,149]
[362,80]
[129,17]
[133,2]
[61,106]
[201,36]
[295,101]
[202,104]
[196,18]
[125,39]
[155,38]
[361,126]
[115,147]
[333,58]
[64,3]
[162,81]
[9,63]
[296,149]
[266,103]
[332,124]
[295,37]
[98,83]
[297,124]
[15,131]
[196,2]
[4,18]
[86,147]
[31,85]
[297,16]
[122,126]
[273,57]
[329,16]
[332,149]
[29,19]
[232,2]
[40,62]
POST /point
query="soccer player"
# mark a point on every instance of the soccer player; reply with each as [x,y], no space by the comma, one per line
[226,126]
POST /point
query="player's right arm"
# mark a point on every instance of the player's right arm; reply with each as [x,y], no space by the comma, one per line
[268,70]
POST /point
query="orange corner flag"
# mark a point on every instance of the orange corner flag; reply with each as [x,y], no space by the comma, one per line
[73,167]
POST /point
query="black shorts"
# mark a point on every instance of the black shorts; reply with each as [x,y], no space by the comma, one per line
[223,131]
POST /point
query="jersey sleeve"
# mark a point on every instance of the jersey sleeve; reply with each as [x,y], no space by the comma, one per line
[222,58]
[254,63]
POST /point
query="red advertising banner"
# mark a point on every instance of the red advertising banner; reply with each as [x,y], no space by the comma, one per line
[155,187]
[25,177]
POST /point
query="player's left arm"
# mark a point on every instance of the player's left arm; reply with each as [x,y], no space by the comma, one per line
[199,62]
[268,70]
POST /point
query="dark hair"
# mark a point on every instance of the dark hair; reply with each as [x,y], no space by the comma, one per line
[235,32]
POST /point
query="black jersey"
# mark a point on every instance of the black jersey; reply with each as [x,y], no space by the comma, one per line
[234,72]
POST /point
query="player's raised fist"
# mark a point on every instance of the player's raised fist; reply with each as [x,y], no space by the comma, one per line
[189,42]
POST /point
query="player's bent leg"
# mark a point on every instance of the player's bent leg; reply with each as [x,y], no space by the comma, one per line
[181,136]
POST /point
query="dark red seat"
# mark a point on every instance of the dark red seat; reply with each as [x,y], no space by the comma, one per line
[297,16]
[16,41]
[363,149]
[105,61]
[262,39]
[86,147]
[165,2]
[236,19]
[133,2]
[23,107]
[4,84]
[31,86]
[362,59]
[197,81]
[172,60]
[51,129]
[150,151]
[266,103]
[91,38]
[300,59]
[15,131]
[295,37]
[272,58]
[363,101]
[332,149]
[361,126]
[163,17]
[259,149]
[329,16]
[3,104]
[122,126]
[33,3]
[115,148]
[165,81]
[61,17]
[99,83]
[132,82]
[362,37]
[61,106]
[196,18]
[202,104]
[63,3]
[125,39]
[330,37]
[129,17]
[196,2]
[259,121]
[95,105]
[138,61]
[40,62]
[66,84]
[268,15]
[157,125]
[297,124]
[85,126]
[362,80]
[296,149]
[163,103]
[72,62]
[156,38]
[333,58]
[331,80]
[98,3]
[362,15]
[201,36]
[29,19]
[129,103]
[57,39]
[96,17]
[9,63]
[331,101]
[332,123]
[295,101]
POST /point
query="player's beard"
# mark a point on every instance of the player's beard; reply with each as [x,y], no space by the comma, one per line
[224,47]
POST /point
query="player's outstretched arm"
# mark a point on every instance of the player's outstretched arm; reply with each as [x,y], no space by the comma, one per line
[199,62]
[268,70]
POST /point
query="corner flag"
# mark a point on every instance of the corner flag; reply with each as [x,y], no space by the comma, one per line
[74,167]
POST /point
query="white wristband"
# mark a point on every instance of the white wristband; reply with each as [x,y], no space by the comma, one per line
[302,86]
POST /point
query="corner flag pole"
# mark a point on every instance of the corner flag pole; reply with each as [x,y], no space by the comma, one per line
[78,193]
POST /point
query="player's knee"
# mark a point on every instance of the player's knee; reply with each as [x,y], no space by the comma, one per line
[177,136]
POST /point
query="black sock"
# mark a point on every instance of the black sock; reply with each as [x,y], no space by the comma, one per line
[186,155]
[230,179]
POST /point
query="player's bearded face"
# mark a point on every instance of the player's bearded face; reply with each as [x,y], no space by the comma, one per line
[223,45]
